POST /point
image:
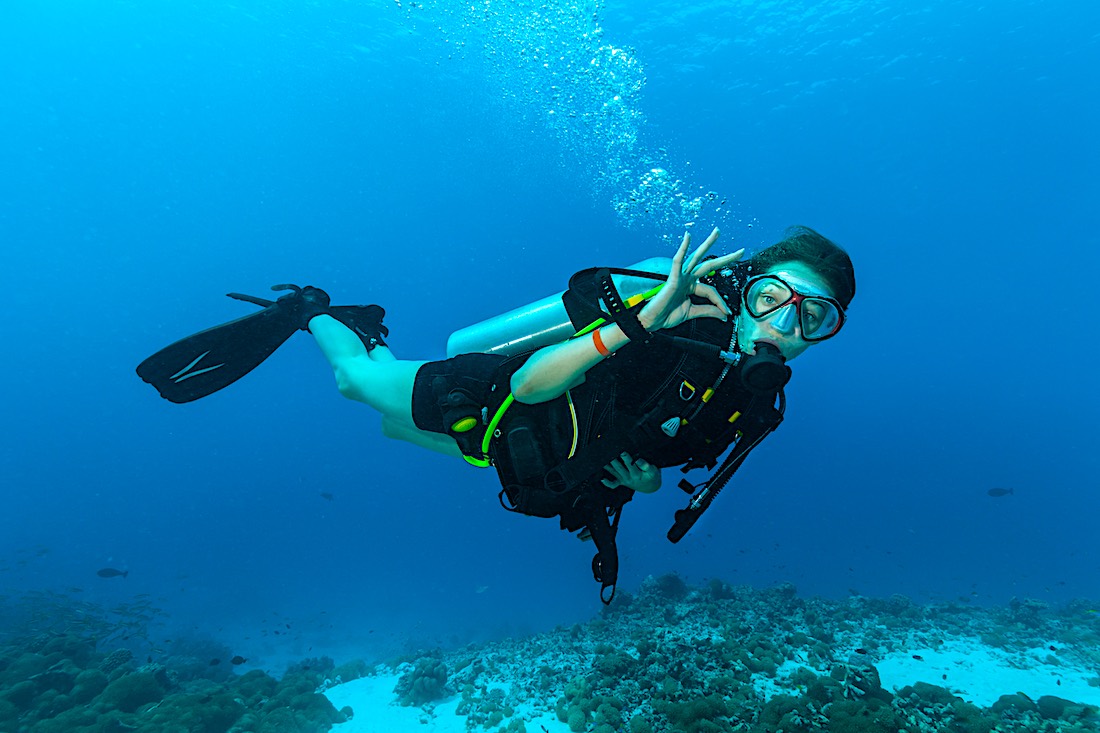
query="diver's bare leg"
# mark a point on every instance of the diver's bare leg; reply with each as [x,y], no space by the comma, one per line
[410,433]
[376,378]
[381,353]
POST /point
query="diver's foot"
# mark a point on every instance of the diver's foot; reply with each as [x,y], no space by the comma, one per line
[365,320]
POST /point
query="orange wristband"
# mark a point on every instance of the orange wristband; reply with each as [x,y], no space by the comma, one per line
[598,343]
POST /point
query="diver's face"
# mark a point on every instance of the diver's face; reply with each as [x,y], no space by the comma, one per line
[783,327]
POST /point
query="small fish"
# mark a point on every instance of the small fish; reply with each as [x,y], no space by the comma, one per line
[861,650]
[111,573]
[327,496]
[1000,492]
[918,657]
[215,662]
[1052,648]
[238,660]
[944,675]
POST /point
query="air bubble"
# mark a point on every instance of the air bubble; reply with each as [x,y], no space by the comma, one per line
[593,105]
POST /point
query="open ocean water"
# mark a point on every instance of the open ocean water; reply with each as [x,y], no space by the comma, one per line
[451,161]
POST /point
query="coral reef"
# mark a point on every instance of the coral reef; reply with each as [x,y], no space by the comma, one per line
[671,658]
[725,658]
[424,681]
[65,687]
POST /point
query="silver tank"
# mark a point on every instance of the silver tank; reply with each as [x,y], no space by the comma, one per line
[543,322]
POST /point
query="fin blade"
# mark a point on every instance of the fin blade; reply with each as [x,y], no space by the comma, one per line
[210,360]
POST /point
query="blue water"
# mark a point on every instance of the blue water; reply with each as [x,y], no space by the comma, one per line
[451,164]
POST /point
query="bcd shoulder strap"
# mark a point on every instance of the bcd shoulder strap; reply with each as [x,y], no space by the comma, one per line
[593,286]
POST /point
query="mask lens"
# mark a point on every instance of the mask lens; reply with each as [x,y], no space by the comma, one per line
[766,295]
[820,319]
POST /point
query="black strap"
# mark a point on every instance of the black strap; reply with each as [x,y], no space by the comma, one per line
[626,318]
[588,288]
[605,563]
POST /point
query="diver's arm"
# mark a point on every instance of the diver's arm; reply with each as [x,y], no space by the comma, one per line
[554,369]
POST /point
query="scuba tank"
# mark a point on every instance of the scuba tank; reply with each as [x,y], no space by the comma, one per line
[543,322]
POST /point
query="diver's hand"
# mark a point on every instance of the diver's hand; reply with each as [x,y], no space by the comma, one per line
[639,474]
[672,305]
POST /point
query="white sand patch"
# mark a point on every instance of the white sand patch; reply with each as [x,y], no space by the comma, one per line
[769,687]
[377,711]
[980,674]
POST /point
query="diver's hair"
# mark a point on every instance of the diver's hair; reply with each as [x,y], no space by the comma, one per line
[826,258]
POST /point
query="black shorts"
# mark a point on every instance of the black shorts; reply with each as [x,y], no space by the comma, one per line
[473,373]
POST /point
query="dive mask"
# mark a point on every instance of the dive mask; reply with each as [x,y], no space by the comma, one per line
[770,296]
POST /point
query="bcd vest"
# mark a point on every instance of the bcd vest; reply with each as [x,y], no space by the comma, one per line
[655,401]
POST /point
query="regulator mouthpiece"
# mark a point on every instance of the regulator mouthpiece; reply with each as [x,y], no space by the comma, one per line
[765,371]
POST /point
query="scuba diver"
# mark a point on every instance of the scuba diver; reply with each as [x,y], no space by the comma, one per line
[577,401]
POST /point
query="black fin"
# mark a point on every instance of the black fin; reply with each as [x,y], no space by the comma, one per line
[365,320]
[209,360]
